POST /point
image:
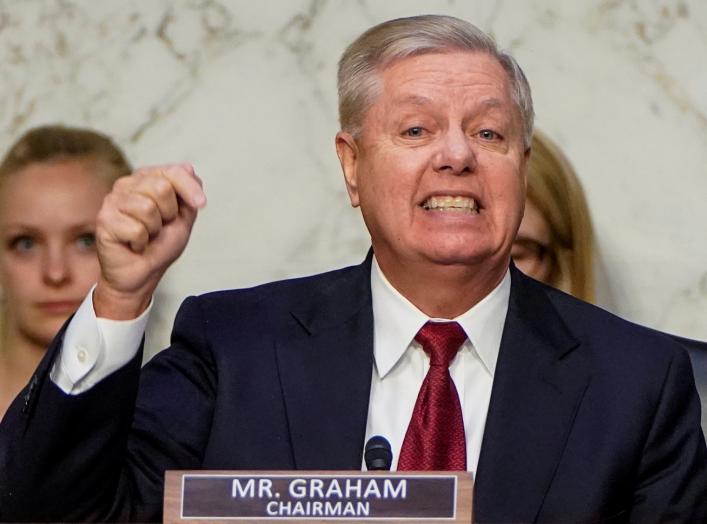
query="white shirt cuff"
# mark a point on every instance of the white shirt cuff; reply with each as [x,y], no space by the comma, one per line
[93,347]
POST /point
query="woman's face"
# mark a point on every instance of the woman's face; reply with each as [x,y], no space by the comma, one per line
[531,249]
[48,260]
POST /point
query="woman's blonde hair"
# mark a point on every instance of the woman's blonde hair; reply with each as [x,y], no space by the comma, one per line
[554,189]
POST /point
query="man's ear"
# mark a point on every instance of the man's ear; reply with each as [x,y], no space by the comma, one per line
[347,151]
[526,162]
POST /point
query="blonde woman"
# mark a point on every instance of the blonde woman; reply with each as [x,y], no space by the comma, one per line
[52,184]
[555,242]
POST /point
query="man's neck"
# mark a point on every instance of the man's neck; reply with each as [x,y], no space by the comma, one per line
[443,291]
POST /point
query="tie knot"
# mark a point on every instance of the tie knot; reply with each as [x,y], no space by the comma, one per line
[441,341]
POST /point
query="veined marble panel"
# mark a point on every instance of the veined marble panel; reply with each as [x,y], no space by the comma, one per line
[246,92]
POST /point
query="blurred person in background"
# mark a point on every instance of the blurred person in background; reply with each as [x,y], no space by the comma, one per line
[555,241]
[52,183]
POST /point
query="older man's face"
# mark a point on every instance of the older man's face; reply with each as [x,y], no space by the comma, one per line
[439,168]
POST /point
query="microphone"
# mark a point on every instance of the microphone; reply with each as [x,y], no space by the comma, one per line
[377,454]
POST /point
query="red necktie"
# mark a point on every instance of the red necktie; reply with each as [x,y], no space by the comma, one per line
[435,437]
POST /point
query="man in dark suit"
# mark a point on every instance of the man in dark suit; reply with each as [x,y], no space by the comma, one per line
[564,412]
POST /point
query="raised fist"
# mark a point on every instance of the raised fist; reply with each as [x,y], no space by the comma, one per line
[142,227]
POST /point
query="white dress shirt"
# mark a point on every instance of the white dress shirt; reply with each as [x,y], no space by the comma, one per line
[400,363]
[93,348]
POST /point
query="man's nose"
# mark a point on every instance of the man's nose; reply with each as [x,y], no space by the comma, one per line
[55,267]
[456,155]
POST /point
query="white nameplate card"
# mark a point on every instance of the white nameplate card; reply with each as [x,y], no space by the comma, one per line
[317,496]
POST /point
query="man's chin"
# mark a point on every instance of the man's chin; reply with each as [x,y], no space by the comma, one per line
[465,257]
[453,255]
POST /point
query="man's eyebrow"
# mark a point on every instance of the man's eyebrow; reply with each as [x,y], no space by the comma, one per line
[492,106]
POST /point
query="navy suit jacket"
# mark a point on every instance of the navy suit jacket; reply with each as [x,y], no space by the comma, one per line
[591,418]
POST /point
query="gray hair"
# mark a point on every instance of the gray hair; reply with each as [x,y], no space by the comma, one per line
[358,82]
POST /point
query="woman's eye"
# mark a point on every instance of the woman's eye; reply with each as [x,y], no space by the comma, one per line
[487,134]
[22,243]
[86,241]
[414,132]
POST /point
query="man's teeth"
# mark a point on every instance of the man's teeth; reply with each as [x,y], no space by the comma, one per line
[451,203]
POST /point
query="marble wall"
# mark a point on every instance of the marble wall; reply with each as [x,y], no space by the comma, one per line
[246,91]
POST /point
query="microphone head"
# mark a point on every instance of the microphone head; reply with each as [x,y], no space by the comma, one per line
[377,454]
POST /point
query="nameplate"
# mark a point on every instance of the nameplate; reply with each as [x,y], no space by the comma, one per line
[314,496]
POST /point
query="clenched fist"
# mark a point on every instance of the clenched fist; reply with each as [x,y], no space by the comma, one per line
[142,227]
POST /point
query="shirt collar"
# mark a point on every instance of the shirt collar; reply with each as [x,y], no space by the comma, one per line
[396,321]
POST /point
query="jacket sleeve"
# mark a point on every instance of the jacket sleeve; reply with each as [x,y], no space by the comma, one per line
[101,455]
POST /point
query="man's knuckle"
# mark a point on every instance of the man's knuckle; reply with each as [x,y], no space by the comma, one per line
[134,229]
[162,187]
[146,206]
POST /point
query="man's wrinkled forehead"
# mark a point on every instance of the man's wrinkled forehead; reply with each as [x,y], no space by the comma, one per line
[409,96]
[422,101]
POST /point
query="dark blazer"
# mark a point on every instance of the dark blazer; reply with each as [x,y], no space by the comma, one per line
[591,418]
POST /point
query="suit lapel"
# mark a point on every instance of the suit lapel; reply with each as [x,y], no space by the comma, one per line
[325,368]
[540,380]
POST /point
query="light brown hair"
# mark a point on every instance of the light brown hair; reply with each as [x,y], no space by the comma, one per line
[55,143]
[553,187]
